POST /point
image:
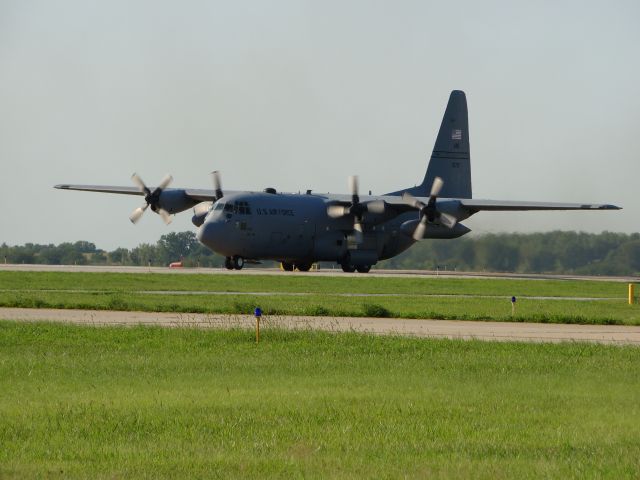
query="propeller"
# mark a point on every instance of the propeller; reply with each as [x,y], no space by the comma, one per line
[152,199]
[217,184]
[428,211]
[356,209]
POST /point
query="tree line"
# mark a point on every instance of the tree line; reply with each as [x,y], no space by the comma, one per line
[552,252]
[171,247]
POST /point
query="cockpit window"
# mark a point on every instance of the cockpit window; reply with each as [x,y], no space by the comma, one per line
[239,208]
[219,206]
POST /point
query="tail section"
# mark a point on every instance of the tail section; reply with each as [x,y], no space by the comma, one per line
[451,159]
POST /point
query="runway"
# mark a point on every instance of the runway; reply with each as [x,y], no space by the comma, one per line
[253,270]
[454,329]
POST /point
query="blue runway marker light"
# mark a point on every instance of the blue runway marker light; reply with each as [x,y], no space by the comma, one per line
[257,312]
[513,299]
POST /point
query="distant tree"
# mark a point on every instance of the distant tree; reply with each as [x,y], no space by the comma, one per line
[83,246]
[201,256]
[145,254]
[120,256]
[176,245]
[49,254]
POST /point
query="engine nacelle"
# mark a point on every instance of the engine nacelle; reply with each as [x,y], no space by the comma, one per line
[435,230]
[200,212]
[175,201]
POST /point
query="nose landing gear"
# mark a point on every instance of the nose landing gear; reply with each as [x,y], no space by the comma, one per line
[234,263]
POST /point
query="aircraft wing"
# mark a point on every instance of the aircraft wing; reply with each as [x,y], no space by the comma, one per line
[499,206]
[101,188]
[203,195]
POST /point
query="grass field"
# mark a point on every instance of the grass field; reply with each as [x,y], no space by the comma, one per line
[457,298]
[184,403]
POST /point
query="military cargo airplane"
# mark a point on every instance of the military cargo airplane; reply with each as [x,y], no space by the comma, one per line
[355,231]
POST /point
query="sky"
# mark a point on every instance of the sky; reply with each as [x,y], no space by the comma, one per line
[301,94]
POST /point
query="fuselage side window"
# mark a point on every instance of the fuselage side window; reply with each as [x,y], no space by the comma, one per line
[242,208]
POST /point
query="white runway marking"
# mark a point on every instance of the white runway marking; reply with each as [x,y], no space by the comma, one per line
[490,331]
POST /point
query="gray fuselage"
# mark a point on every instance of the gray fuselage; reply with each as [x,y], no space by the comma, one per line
[296,228]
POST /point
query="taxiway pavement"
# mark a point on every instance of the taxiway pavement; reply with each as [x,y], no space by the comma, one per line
[455,329]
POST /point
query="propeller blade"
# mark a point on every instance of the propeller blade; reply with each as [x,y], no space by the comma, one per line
[353,188]
[152,198]
[337,211]
[139,183]
[353,184]
[166,217]
[137,213]
[448,220]
[376,206]
[412,201]
[418,233]
[217,184]
[201,208]
[165,182]
[436,187]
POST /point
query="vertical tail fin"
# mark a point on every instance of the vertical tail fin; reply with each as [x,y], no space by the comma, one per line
[451,158]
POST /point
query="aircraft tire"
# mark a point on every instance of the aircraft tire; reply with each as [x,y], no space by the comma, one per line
[228,263]
[238,262]
[303,267]
[286,266]
[363,268]
[348,268]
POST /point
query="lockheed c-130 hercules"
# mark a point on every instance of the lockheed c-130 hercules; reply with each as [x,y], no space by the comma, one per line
[356,231]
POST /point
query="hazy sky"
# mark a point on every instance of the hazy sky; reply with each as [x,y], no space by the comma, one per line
[301,94]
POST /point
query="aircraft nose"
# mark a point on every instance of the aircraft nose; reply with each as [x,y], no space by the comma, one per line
[208,233]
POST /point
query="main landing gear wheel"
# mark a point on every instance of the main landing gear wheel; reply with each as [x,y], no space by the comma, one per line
[363,268]
[348,268]
[286,266]
[238,262]
[303,267]
[234,263]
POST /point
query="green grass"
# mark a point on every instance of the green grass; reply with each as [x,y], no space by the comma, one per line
[484,299]
[185,403]
[127,282]
[609,312]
